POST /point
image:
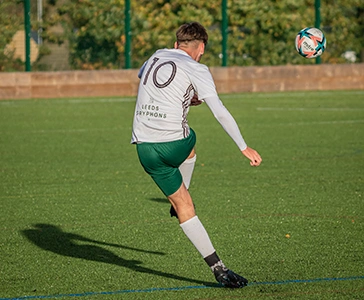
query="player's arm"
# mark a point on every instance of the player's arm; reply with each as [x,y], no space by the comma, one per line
[229,124]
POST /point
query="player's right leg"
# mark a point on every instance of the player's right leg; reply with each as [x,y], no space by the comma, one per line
[161,162]
[182,204]
[186,169]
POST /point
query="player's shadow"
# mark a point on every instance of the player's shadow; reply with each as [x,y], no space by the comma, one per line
[51,238]
[159,200]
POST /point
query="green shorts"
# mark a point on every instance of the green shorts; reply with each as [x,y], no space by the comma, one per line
[161,161]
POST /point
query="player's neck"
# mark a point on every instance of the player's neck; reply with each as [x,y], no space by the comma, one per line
[195,53]
[193,50]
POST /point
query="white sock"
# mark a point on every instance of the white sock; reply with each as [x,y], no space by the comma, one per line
[186,169]
[197,234]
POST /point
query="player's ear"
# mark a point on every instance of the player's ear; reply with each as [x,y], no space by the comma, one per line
[202,48]
[175,45]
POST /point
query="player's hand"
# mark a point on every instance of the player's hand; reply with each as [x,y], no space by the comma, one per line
[253,156]
[195,101]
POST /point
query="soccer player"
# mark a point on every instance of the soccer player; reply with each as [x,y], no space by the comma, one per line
[170,81]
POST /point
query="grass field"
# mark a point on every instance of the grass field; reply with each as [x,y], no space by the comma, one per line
[81,220]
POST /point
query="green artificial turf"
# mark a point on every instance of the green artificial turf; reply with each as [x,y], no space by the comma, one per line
[81,220]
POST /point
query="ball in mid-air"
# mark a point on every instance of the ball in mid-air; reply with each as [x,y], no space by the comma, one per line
[310,42]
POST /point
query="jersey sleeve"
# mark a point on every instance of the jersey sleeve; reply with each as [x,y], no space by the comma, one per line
[226,120]
[203,82]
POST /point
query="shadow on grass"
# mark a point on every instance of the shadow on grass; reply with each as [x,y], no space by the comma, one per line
[159,200]
[51,238]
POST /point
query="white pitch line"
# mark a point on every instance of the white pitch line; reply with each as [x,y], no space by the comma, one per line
[12,103]
[106,100]
[321,123]
[309,109]
[287,94]
[116,128]
[79,130]
[74,130]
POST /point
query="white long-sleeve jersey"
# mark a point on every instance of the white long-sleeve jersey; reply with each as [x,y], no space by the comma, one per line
[168,81]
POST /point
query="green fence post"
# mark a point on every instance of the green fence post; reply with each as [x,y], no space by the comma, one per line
[224,31]
[317,22]
[27,34]
[127,35]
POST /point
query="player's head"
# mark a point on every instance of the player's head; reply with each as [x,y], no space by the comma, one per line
[190,32]
[192,36]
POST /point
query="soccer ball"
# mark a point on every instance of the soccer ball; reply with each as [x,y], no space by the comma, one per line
[310,42]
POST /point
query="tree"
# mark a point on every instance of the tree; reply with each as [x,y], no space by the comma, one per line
[94,29]
[155,23]
[263,32]
[343,23]
[11,17]
[260,32]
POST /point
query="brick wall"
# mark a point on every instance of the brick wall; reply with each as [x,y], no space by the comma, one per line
[228,80]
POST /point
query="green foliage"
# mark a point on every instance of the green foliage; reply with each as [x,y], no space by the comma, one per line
[260,32]
[260,37]
[157,21]
[94,29]
[344,21]
[11,18]
[263,32]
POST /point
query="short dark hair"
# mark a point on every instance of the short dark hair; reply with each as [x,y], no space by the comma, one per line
[193,31]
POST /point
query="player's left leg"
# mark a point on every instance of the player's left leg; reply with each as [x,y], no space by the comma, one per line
[187,167]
